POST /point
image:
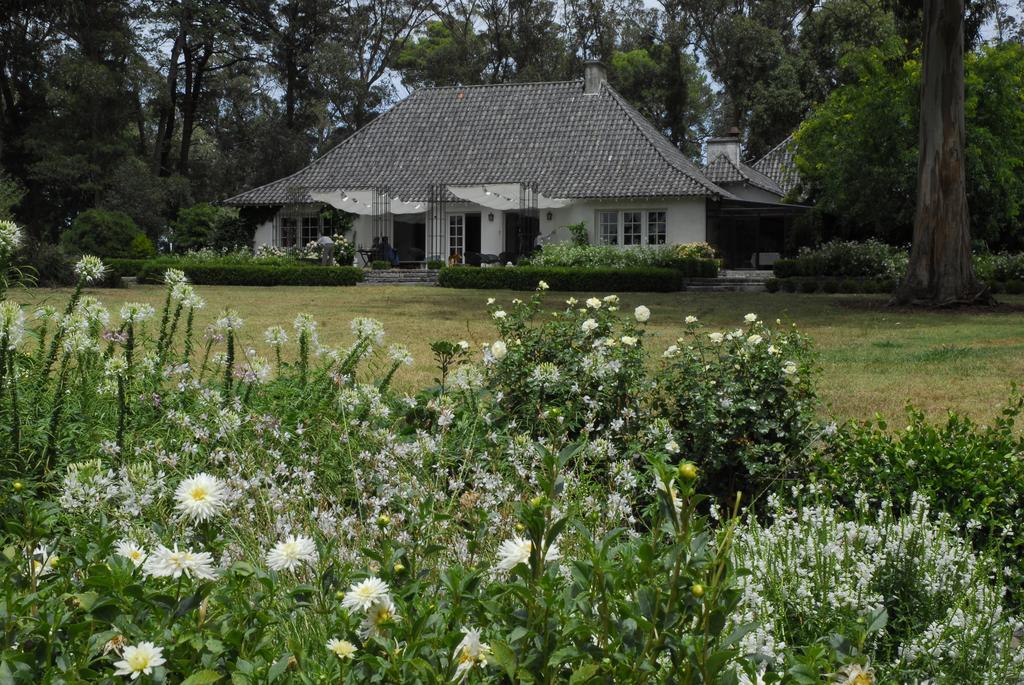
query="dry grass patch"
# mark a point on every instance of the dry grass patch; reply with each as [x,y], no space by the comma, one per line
[873,359]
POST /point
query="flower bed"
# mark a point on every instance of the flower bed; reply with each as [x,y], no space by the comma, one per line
[695,260]
[181,508]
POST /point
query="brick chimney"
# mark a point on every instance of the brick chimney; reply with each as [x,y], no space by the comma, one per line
[594,74]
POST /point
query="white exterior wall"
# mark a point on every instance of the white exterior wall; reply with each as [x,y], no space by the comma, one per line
[264,234]
[686,218]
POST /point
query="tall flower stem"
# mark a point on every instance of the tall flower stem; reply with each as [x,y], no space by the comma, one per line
[15,411]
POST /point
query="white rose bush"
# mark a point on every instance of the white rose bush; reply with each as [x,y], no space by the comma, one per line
[179,510]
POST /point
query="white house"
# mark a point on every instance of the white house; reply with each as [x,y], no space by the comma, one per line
[483,173]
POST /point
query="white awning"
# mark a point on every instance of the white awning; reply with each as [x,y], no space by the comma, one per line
[503,196]
[354,201]
[362,201]
[399,207]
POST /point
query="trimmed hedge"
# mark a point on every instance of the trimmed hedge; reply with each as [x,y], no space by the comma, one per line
[800,284]
[563,278]
[127,267]
[253,274]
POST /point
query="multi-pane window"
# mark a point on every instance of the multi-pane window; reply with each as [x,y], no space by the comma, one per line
[289,231]
[457,235]
[632,228]
[656,228]
[310,229]
[608,225]
[628,227]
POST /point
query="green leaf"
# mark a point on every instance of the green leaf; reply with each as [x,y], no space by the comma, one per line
[279,667]
[583,673]
[504,657]
[202,677]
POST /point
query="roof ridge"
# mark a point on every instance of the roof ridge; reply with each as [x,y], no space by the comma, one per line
[499,85]
[629,110]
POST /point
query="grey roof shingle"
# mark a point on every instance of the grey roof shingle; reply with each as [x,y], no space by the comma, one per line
[570,144]
[721,169]
[779,166]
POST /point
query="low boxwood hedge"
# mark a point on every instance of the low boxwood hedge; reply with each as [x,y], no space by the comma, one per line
[563,278]
[127,267]
[253,274]
[807,285]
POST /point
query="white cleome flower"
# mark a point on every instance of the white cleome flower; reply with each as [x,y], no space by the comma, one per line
[343,649]
[364,595]
[175,563]
[136,312]
[200,497]
[498,350]
[628,341]
[12,323]
[594,303]
[469,653]
[691,319]
[517,551]
[174,277]
[542,285]
[275,335]
[642,314]
[132,551]
[716,337]
[90,269]
[139,659]
[500,314]
[10,237]
[789,368]
[377,616]
[750,318]
[291,553]
[589,326]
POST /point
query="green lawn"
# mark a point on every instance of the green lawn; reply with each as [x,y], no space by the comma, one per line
[873,359]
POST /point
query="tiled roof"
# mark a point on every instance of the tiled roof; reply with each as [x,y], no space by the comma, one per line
[723,170]
[778,165]
[570,144]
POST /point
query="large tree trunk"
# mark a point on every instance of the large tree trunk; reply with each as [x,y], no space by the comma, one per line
[940,270]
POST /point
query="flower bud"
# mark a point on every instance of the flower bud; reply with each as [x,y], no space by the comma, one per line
[399,568]
[697,590]
[18,486]
[383,520]
[688,471]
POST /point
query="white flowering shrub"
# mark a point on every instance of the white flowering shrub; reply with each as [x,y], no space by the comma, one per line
[578,370]
[741,402]
[817,571]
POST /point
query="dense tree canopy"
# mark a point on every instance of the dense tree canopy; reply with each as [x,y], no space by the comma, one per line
[857,153]
[148,106]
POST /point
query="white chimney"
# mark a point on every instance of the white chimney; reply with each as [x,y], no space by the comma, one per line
[730,146]
[594,74]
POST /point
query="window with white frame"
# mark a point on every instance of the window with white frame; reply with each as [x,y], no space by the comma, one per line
[299,226]
[630,226]
[657,227]
[311,229]
[608,228]
[457,235]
